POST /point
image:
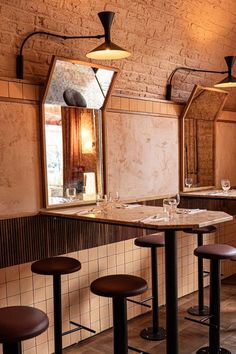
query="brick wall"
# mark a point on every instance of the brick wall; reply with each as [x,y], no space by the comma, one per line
[160,34]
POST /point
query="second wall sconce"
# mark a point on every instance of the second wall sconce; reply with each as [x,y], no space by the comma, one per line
[228,81]
[106,51]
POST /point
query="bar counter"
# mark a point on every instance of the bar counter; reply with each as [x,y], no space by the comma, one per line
[214,199]
[153,218]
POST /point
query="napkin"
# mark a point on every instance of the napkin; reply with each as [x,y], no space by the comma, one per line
[151,218]
[84,212]
[130,206]
[195,211]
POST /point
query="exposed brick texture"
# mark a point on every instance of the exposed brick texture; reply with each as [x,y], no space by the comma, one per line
[161,34]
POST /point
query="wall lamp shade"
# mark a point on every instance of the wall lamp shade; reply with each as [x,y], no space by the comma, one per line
[106,51]
[229,81]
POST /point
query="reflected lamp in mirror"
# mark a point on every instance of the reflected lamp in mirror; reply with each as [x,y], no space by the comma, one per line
[72,113]
[197,138]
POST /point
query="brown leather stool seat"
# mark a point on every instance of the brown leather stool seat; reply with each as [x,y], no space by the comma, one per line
[201,230]
[119,287]
[215,253]
[152,241]
[200,309]
[18,323]
[122,285]
[57,266]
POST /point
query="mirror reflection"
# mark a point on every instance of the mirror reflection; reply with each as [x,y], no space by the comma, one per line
[72,127]
[198,137]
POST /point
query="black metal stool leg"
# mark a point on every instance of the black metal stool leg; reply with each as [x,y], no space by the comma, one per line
[12,348]
[120,325]
[155,332]
[57,314]
[200,309]
[214,329]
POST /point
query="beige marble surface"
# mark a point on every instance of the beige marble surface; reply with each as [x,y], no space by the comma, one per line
[213,193]
[20,188]
[136,217]
[141,154]
[225,152]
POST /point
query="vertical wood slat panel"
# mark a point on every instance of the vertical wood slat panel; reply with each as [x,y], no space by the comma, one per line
[35,237]
[30,238]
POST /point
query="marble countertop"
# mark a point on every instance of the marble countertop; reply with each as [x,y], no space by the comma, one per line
[213,193]
[143,217]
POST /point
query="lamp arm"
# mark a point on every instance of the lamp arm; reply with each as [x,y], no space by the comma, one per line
[19,59]
[184,68]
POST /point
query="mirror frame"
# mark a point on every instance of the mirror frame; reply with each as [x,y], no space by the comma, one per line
[182,137]
[43,137]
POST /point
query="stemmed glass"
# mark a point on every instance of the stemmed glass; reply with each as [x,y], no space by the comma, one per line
[188,182]
[71,193]
[225,184]
[177,197]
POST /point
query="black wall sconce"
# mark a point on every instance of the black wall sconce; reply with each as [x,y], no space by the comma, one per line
[229,81]
[106,51]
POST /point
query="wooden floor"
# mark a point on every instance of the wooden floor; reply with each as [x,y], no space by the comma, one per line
[192,336]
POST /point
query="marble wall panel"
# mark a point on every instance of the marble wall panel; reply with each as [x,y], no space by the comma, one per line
[226,152]
[20,189]
[141,154]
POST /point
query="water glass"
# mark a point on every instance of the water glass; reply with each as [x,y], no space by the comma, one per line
[225,184]
[101,202]
[71,193]
[169,207]
[188,182]
[177,197]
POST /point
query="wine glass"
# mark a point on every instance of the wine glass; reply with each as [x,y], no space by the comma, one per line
[177,197]
[225,184]
[188,182]
[71,193]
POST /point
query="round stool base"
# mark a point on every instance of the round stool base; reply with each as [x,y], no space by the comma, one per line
[147,333]
[206,350]
[194,311]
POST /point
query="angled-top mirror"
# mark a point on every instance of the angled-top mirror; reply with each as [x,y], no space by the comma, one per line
[72,115]
[198,138]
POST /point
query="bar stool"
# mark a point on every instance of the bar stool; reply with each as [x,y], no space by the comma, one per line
[18,323]
[153,241]
[215,253]
[200,309]
[119,287]
[57,266]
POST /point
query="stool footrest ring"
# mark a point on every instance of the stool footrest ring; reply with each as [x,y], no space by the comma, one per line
[78,329]
[142,302]
[206,350]
[202,321]
[137,350]
[206,273]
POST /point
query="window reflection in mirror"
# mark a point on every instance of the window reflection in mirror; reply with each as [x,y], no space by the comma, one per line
[198,137]
[73,105]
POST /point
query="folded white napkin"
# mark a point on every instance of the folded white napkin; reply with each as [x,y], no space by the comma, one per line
[195,211]
[131,206]
[151,218]
[84,212]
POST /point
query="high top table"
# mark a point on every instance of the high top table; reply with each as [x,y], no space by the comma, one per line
[133,217]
